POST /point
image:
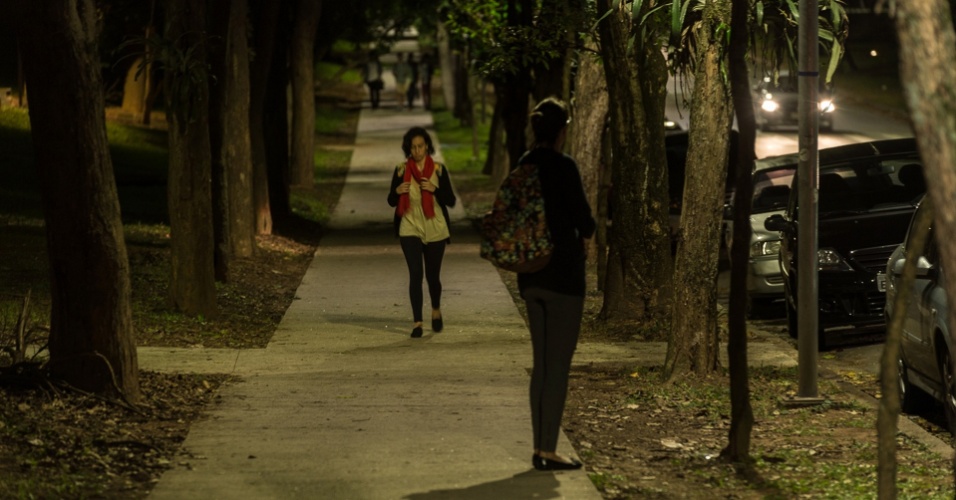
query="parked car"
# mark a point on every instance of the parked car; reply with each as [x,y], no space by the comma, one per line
[926,366]
[778,101]
[867,195]
[772,178]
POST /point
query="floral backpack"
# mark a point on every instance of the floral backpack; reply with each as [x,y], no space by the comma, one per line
[514,234]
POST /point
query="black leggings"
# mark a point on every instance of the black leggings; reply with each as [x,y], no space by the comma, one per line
[555,321]
[431,254]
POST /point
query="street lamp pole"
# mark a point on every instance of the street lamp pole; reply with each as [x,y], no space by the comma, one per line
[807,181]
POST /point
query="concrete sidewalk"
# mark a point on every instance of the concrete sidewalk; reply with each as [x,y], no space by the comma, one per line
[342,404]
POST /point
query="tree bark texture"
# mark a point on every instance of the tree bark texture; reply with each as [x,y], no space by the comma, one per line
[586,137]
[927,51]
[229,136]
[741,412]
[639,262]
[302,65]
[693,343]
[192,287]
[91,332]
[265,14]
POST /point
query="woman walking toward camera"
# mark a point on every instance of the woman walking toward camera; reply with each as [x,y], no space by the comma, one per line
[555,295]
[421,192]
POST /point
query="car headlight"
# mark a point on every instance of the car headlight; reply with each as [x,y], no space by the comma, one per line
[829,259]
[763,248]
[826,106]
[769,105]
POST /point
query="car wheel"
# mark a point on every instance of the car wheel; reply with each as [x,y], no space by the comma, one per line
[911,398]
[949,386]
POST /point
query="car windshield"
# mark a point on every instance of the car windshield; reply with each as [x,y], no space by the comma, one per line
[772,189]
[871,185]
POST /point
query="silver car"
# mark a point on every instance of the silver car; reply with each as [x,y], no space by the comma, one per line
[926,366]
[772,178]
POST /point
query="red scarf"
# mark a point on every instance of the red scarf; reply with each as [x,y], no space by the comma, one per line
[411,170]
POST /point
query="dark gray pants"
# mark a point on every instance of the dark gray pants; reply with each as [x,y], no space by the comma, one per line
[555,322]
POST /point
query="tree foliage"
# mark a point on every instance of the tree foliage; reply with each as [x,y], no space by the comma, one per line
[499,49]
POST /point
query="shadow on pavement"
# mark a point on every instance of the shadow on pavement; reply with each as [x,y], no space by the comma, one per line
[527,485]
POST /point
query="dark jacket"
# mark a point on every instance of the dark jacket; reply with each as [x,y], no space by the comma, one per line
[443,193]
[569,222]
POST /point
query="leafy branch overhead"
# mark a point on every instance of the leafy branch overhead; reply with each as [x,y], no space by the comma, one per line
[773,40]
[499,48]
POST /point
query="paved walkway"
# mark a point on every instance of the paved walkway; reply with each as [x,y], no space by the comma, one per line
[342,404]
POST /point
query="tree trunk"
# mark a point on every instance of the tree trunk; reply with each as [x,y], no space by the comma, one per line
[302,65]
[135,89]
[693,343]
[446,62]
[266,14]
[639,263]
[586,137]
[741,413]
[229,137]
[888,411]
[927,52]
[514,95]
[276,122]
[192,287]
[464,108]
[497,165]
[554,78]
[91,331]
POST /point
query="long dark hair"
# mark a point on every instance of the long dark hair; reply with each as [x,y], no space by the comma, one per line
[413,133]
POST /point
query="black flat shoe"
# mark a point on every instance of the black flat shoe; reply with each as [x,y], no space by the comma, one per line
[416,332]
[541,463]
[437,324]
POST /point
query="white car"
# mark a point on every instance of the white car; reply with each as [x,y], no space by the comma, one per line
[772,178]
[926,367]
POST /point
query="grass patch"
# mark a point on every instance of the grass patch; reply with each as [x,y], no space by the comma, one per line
[329,71]
[457,142]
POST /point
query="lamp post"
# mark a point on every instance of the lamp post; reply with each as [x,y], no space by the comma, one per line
[807,184]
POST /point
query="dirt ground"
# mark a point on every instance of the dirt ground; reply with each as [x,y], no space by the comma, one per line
[639,437]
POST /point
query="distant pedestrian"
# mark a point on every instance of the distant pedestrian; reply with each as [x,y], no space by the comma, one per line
[421,193]
[402,72]
[554,296]
[412,91]
[373,78]
[427,68]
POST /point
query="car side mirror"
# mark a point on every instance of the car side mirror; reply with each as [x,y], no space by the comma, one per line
[925,269]
[776,222]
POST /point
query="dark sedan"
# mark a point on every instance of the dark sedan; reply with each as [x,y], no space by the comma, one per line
[867,195]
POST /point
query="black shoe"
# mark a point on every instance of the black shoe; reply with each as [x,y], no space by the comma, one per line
[437,324]
[416,332]
[541,463]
